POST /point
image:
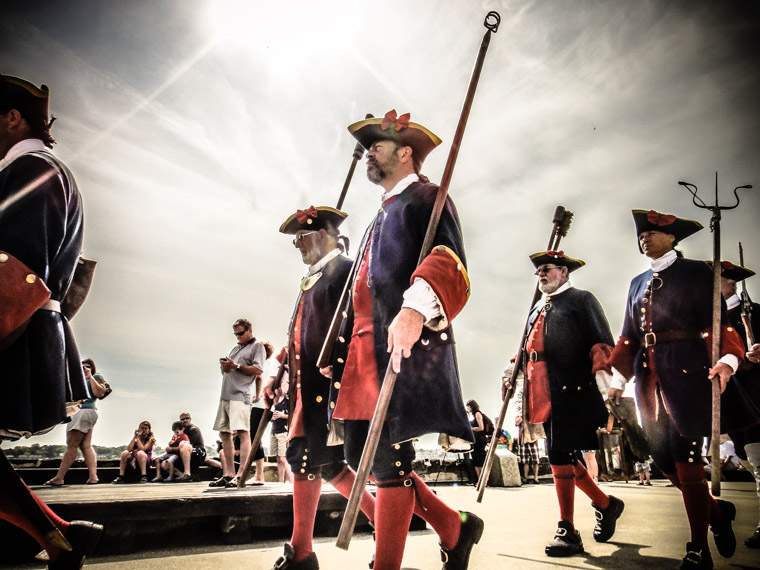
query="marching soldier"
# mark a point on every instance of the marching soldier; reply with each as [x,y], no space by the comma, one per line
[567,349]
[665,343]
[310,458]
[399,311]
[40,242]
[746,442]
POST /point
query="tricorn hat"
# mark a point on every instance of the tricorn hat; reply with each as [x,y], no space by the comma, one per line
[557,258]
[398,129]
[732,271]
[31,101]
[650,220]
[313,218]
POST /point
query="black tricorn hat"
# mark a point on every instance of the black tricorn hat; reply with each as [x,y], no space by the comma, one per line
[652,221]
[394,128]
[313,218]
[31,101]
[732,271]
[557,258]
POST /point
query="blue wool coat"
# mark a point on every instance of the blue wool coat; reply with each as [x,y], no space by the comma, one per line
[682,303]
[42,370]
[427,397]
[319,304]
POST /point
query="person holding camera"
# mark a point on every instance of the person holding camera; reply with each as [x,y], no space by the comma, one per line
[79,430]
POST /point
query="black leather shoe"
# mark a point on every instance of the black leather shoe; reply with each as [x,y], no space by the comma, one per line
[696,558]
[458,558]
[567,541]
[221,482]
[83,536]
[606,519]
[723,532]
[286,560]
[754,540]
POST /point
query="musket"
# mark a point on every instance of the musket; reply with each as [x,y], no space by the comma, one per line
[716,325]
[746,305]
[491,24]
[560,225]
[267,416]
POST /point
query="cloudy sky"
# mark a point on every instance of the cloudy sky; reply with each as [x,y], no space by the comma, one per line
[195,128]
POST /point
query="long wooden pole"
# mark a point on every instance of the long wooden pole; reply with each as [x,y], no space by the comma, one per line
[267,416]
[386,391]
[560,224]
[715,356]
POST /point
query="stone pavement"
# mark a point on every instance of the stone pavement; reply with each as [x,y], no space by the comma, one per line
[652,534]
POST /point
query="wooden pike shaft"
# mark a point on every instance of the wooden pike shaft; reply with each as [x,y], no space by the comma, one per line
[389,381]
[560,220]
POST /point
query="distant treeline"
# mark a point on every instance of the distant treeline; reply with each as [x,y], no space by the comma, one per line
[37,451]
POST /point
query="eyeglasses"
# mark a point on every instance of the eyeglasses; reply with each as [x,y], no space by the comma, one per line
[541,270]
[300,237]
[241,333]
[185,419]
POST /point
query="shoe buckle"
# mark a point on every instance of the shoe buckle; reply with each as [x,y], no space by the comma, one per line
[280,563]
[561,532]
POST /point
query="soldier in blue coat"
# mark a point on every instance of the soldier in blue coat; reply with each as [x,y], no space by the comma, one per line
[309,456]
[400,311]
[40,368]
[666,344]
[566,354]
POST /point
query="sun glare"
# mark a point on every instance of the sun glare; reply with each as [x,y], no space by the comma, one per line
[287,31]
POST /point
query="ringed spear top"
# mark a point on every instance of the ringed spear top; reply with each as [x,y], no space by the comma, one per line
[716,321]
[491,24]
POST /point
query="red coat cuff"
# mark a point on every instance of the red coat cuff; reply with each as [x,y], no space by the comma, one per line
[600,355]
[447,276]
[730,342]
[622,356]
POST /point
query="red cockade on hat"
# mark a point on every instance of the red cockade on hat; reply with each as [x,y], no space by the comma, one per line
[392,120]
[559,253]
[303,215]
[660,219]
[726,266]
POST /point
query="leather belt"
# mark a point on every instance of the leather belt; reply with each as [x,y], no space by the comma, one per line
[51,305]
[534,356]
[652,338]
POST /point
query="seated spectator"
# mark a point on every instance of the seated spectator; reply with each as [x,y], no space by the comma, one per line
[139,453]
[192,453]
[165,463]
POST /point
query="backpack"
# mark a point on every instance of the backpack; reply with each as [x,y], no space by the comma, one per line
[487,424]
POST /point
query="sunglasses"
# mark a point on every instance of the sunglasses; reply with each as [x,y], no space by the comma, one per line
[241,333]
[184,419]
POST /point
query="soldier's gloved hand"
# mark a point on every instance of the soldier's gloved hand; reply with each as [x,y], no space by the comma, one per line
[404,331]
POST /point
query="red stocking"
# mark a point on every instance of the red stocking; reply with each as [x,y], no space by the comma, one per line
[564,485]
[343,483]
[11,512]
[393,513]
[305,501]
[586,484]
[429,507]
[696,499]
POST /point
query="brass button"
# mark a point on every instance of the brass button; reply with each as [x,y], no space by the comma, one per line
[31,278]
[345,315]
[341,339]
[341,361]
[295,328]
[402,474]
[398,464]
[311,477]
[319,399]
[626,342]
[424,342]
[444,336]
[397,446]
[298,385]
[298,357]
[303,470]
[332,405]
[304,457]
[337,385]
[644,364]
[691,460]
[3,257]
[459,267]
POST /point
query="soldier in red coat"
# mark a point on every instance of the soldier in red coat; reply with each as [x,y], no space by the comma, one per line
[40,367]
[309,456]
[666,344]
[399,311]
